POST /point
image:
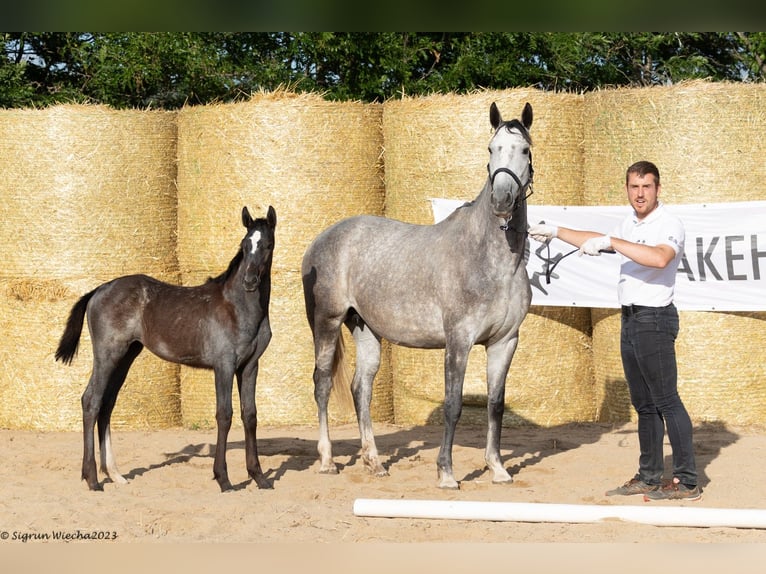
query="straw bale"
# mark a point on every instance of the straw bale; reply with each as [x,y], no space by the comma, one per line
[316,162]
[707,140]
[88,194]
[436,147]
[36,392]
[718,377]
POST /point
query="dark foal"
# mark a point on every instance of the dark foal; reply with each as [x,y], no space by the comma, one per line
[221,325]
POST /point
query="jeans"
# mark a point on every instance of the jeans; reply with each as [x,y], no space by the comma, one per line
[647,345]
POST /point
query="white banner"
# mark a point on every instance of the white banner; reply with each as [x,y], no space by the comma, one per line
[723,267]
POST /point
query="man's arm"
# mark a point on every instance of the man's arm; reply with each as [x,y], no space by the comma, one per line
[592,242]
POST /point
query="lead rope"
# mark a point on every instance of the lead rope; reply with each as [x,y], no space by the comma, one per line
[549,268]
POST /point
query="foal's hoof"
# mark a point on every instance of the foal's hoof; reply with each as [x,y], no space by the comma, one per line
[225,486]
[262,483]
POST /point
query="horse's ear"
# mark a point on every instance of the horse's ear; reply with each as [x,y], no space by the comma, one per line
[495,119]
[247,220]
[271,216]
[526,116]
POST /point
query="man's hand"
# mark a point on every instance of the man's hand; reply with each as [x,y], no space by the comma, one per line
[542,232]
[595,245]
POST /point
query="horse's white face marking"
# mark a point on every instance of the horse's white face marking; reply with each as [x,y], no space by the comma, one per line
[508,150]
[255,239]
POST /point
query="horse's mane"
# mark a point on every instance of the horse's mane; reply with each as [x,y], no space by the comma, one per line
[230,270]
[514,123]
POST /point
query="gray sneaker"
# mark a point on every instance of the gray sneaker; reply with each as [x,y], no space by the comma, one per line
[633,486]
[674,490]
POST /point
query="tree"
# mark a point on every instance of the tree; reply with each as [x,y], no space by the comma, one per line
[170,69]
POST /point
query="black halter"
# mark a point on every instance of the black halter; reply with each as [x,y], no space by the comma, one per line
[525,189]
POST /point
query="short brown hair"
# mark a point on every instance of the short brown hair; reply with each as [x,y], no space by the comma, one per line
[641,168]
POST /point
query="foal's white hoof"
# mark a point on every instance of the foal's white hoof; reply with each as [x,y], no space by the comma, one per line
[118,479]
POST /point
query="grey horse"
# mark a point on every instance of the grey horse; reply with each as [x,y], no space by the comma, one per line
[452,285]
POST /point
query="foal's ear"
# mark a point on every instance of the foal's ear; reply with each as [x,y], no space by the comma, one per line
[495,119]
[271,216]
[526,116]
[247,220]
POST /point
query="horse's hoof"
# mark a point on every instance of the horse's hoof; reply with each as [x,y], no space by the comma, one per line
[329,470]
[449,484]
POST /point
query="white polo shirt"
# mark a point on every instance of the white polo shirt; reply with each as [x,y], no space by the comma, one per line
[649,286]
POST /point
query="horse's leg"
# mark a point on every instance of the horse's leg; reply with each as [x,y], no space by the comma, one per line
[455,362]
[325,343]
[499,356]
[246,380]
[224,377]
[116,380]
[367,365]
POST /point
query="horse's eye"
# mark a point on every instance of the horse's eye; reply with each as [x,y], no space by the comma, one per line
[525,151]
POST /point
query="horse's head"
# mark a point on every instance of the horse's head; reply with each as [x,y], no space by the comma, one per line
[510,161]
[257,247]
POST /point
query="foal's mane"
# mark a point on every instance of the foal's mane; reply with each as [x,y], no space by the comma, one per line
[237,259]
[230,270]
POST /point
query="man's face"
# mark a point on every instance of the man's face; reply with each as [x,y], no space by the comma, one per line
[643,193]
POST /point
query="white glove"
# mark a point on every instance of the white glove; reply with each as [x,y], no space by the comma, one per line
[542,232]
[595,245]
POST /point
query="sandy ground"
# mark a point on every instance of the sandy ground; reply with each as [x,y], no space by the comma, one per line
[172,498]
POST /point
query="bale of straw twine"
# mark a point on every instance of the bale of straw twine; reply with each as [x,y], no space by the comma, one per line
[316,162]
[436,147]
[707,140]
[88,195]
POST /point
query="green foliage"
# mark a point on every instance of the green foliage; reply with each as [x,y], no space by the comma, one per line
[170,69]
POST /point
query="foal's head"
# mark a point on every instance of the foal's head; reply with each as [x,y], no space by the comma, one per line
[510,161]
[257,247]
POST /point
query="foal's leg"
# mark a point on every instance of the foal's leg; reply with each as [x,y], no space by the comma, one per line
[105,362]
[367,365]
[224,377]
[455,362]
[91,406]
[246,380]
[116,380]
[499,356]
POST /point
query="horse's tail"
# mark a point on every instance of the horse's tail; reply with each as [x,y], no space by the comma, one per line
[70,340]
[342,377]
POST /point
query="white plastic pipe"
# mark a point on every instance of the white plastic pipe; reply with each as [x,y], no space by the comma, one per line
[570,513]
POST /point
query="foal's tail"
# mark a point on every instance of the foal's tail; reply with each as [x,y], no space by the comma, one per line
[341,377]
[70,340]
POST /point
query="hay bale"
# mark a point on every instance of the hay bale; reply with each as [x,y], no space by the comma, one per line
[316,162]
[436,147]
[707,140]
[88,195]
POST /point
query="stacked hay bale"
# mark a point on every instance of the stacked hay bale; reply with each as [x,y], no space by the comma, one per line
[436,147]
[707,140]
[316,162]
[88,195]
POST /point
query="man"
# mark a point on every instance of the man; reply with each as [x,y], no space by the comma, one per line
[651,242]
